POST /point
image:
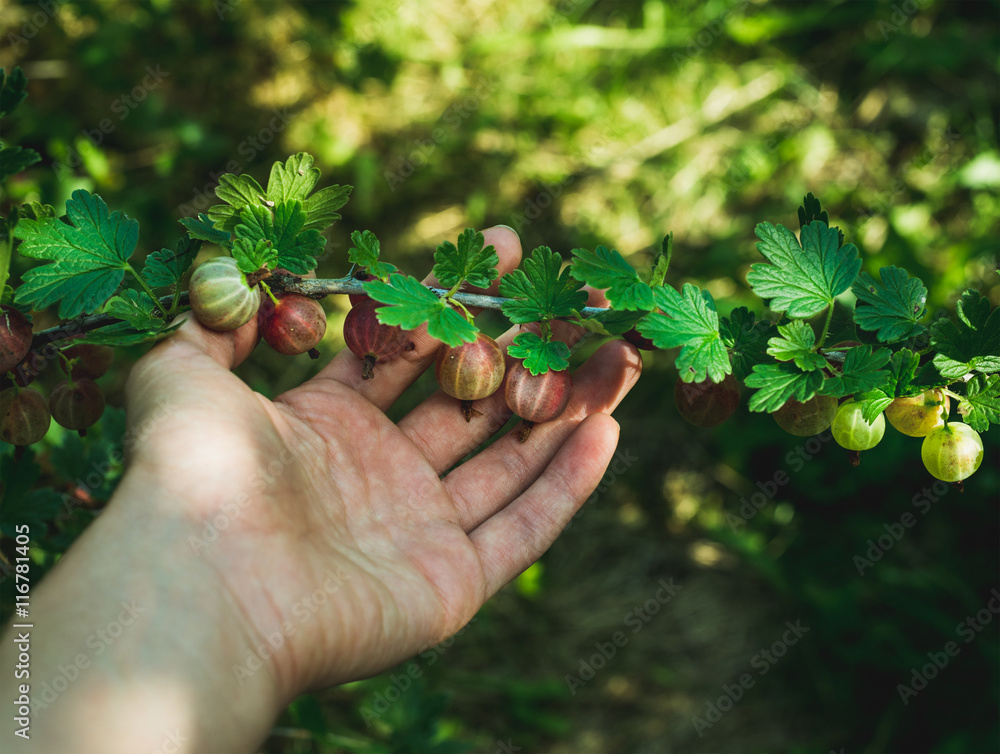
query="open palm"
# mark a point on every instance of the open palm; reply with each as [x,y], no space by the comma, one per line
[350,542]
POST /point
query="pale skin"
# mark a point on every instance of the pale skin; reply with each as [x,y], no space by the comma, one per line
[257,549]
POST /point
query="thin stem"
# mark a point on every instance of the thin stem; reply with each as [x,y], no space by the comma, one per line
[284,283]
[269,292]
[143,284]
[826,326]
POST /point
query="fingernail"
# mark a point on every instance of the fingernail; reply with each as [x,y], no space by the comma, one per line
[507,227]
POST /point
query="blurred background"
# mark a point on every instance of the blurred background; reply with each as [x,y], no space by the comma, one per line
[584,122]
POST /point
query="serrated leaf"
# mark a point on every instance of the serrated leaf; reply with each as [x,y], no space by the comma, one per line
[13,90]
[746,339]
[15,159]
[238,192]
[538,355]
[796,343]
[89,256]
[201,227]
[811,210]
[321,208]
[166,267]
[469,262]
[136,308]
[251,257]
[365,253]
[606,268]
[970,345]
[895,304]
[296,248]
[776,383]
[690,321]
[410,304]
[981,405]
[541,291]
[802,280]
[292,180]
[861,371]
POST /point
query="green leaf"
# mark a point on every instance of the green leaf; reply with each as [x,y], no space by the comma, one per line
[296,248]
[250,256]
[662,262]
[802,280]
[410,304]
[811,210]
[862,371]
[970,345]
[238,192]
[746,339]
[365,253]
[613,322]
[294,179]
[776,383]
[606,268]
[538,355]
[796,344]
[468,262]
[321,208]
[201,227]
[690,321]
[540,291]
[121,334]
[89,257]
[136,308]
[895,305]
[166,268]
[981,405]
[15,159]
[902,371]
[13,90]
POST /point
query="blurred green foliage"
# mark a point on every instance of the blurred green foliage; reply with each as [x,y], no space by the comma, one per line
[581,122]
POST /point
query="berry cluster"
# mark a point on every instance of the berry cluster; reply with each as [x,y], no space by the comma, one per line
[888,363]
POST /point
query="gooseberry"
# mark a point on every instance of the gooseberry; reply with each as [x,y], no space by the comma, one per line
[952,452]
[220,296]
[537,398]
[707,403]
[77,404]
[806,419]
[293,325]
[918,415]
[370,340]
[24,416]
[851,431]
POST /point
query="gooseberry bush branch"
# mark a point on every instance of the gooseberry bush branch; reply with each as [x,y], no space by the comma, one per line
[266,239]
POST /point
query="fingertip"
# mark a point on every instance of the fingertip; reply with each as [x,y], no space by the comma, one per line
[507,244]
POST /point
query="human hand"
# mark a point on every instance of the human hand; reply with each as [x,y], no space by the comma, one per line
[314,538]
